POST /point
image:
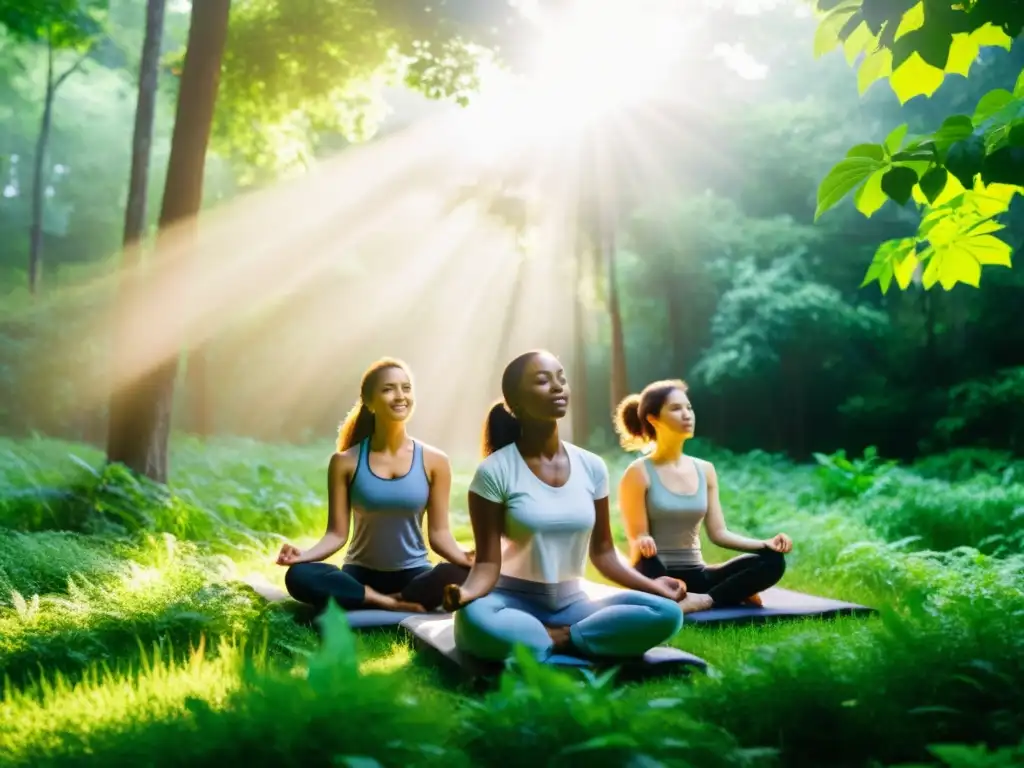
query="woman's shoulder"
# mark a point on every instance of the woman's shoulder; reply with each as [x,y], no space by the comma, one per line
[343,462]
[704,465]
[432,454]
[497,460]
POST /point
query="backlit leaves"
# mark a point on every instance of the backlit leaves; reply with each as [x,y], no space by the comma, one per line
[962,175]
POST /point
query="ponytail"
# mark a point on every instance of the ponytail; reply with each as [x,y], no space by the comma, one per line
[501,428]
[631,415]
[634,432]
[357,426]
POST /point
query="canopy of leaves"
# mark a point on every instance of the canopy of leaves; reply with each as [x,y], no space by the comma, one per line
[964,174]
[66,24]
[295,70]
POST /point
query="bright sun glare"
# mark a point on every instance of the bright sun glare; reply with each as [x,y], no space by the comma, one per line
[597,58]
[377,251]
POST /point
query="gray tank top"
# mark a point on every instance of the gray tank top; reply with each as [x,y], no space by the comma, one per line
[387,525]
[674,519]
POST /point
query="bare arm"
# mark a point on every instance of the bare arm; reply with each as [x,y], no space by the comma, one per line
[633,506]
[606,558]
[439,532]
[487,518]
[717,530]
[339,471]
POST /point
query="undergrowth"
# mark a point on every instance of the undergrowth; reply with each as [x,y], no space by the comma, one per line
[108,586]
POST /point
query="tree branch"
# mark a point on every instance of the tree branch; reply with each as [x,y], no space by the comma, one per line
[74,67]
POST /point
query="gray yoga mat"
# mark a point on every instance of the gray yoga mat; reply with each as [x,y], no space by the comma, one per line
[435,636]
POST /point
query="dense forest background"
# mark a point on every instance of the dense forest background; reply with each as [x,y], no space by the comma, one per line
[725,280]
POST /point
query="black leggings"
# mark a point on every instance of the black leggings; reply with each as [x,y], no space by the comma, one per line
[728,583]
[314,583]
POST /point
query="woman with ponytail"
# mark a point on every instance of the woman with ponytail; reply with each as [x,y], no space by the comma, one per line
[666,496]
[538,506]
[382,481]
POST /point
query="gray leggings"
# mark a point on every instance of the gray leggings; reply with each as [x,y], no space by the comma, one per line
[626,624]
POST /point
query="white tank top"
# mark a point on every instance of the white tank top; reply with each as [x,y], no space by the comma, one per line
[546,532]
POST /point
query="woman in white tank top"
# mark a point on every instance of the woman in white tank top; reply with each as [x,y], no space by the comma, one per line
[666,497]
[539,507]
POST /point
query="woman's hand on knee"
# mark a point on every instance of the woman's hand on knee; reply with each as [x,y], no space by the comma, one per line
[452,598]
[646,547]
[289,555]
[673,589]
[780,543]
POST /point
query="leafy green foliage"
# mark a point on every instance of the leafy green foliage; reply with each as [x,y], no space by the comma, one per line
[64,24]
[294,72]
[843,477]
[760,325]
[964,174]
[121,617]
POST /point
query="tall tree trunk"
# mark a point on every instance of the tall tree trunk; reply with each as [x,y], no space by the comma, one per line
[130,288]
[35,243]
[199,416]
[678,327]
[580,417]
[146,405]
[619,377]
[39,163]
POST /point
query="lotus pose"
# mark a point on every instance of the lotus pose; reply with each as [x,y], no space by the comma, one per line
[546,500]
[666,496]
[385,480]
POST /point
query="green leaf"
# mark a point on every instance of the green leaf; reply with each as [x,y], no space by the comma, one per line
[858,40]
[842,179]
[895,138]
[876,66]
[933,182]
[1004,166]
[985,202]
[991,103]
[964,159]
[335,664]
[888,255]
[872,151]
[990,251]
[870,197]
[963,52]
[914,77]
[959,252]
[826,36]
[990,34]
[1015,136]
[1018,88]
[904,269]
[898,183]
[953,129]
[933,44]
[878,13]
[913,19]
[605,741]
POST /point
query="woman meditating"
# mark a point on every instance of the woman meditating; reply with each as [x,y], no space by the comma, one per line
[666,496]
[385,480]
[546,500]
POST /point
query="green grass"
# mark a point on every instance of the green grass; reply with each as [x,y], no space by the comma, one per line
[128,635]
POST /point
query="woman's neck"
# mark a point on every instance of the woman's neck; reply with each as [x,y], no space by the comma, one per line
[667,450]
[539,439]
[388,436]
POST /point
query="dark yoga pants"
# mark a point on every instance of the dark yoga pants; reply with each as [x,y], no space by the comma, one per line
[314,583]
[728,583]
